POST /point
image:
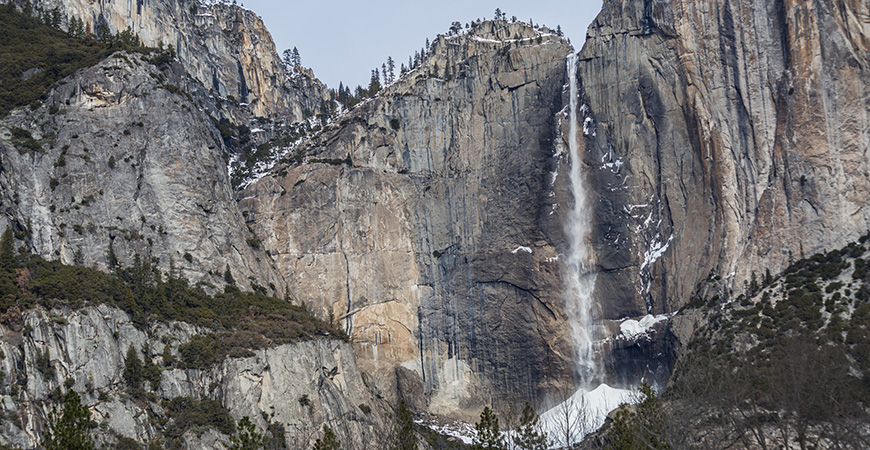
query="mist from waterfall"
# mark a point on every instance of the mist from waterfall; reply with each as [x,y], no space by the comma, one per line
[580,280]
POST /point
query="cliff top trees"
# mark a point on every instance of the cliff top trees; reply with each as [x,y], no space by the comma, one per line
[292,60]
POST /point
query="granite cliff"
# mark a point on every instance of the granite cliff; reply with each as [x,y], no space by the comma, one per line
[224,47]
[128,162]
[734,141]
[85,350]
[421,220]
[720,140]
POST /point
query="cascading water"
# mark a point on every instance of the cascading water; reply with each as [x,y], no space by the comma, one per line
[580,280]
[588,407]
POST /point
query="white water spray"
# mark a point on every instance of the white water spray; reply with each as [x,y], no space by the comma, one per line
[589,406]
[580,280]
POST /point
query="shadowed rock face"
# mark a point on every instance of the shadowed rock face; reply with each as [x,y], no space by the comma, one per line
[724,138]
[224,47]
[408,219]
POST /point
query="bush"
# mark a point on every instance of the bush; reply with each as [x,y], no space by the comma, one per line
[187,413]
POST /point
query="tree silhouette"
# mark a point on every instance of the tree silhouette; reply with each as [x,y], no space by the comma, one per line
[405,438]
[529,436]
[70,429]
[488,434]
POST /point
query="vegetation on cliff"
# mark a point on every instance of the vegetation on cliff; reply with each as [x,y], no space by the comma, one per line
[240,321]
[36,54]
[786,364]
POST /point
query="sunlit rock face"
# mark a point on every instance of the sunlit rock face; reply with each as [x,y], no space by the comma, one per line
[86,350]
[422,221]
[128,167]
[725,138]
[225,47]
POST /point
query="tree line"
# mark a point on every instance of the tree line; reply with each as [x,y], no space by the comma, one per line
[385,75]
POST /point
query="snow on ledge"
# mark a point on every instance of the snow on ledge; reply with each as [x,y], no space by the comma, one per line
[631,329]
[523,248]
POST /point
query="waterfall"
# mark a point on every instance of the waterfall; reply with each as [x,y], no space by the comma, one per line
[580,280]
[587,409]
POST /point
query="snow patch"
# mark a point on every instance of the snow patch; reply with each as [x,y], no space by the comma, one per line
[523,248]
[588,127]
[632,329]
[594,404]
[460,430]
[656,250]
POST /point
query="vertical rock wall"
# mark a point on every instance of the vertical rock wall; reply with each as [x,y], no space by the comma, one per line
[127,164]
[726,138]
[422,222]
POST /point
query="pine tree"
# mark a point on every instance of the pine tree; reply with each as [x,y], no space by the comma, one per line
[133,368]
[228,276]
[374,83]
[297,60]
[168,359]
[529,436]
[8,288]
[488,434]
[112,258]
[384,73]
[405,438]
[7,251]
[645,428]
[246,437]
[70,429]
[391,68]
[287,59]
[329,441]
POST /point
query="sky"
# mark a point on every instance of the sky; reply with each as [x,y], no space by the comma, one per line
[345,40]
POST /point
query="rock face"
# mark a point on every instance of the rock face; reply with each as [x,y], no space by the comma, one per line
[422,222]
[225,47]
[89,346]
[128,163]
[724,139]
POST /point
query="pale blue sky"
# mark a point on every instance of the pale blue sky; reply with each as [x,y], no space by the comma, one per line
[345,40]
